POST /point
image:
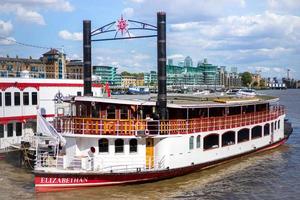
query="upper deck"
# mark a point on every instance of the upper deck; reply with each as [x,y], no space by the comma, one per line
[182,100]
[187,114]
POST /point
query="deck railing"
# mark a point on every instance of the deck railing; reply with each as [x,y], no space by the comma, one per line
[95,126]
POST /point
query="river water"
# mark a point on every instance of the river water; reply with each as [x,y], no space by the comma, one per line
[269,175]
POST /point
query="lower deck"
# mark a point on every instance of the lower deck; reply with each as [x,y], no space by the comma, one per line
[109,154]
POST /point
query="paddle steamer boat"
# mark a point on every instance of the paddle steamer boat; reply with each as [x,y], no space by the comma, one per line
[116,141]
[110,141]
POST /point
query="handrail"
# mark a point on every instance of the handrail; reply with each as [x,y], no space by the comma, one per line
[96,126]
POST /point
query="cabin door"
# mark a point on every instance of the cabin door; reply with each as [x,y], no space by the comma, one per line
[149,153]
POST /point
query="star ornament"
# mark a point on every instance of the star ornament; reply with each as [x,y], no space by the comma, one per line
[122,25]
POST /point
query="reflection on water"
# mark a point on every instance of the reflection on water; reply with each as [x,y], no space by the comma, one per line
[268,175]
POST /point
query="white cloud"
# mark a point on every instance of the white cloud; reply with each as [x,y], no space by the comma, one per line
[22,13]
[137,1]
[128,12]
[5,28]
[74,56]
[176,56]
[277,69]
[187,10]
[60,5]
[262,25]
[29,10]
[29,16]
[285,6]
[7,41]
[66,35]
[263,69]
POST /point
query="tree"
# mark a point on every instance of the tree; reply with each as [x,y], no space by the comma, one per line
[262,83]
[246,78]
[125,73]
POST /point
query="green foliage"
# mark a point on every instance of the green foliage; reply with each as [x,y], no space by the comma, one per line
[135,75]
[246,78]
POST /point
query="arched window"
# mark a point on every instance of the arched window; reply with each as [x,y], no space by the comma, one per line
[211,141]
[191,142]
[243,135]
[228,138]
[267,129]
[198,142]
[256,132]
[103,145]
[275,127]
[272,127]
[133,146]
[119,146]
[278,124]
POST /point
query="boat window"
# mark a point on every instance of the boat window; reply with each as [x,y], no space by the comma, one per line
[228,138]
[10,130]
[111,112]
[211,141]
[103,145]
[216,111]
[272,127]
[25,98]
[248,109]
[278,124]
[1,130]
[243,135]
[0,98]
[191,142]
[275,126]
[124,112]
[17,98]
[256,132]
[198,142]
[18,129]
[7,99]
[119,146]
[267,129]
[234,110]
[34,98]
[133,146]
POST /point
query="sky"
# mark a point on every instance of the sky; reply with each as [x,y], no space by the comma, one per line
[252,35]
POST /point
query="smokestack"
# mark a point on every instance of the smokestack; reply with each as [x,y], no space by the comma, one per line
[87,62]
[161,65]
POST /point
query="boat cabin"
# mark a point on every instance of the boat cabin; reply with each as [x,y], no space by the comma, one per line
[186,114]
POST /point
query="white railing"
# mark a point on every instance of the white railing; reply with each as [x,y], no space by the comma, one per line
[95,126]
[46,161]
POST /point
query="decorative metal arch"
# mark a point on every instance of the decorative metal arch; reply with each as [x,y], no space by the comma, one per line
[122,26]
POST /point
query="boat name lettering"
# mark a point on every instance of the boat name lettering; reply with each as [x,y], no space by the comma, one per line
[63,180]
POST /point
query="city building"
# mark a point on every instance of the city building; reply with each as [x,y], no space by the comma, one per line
[232,80]
[74,69]
[228,79]
[106,73]
[209,72]
[55,64]
[177,75]
[140,81]
[128,81]
[188,62]
[150,78]
[203,75]
[118,80]
[22,67]
[170,61]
